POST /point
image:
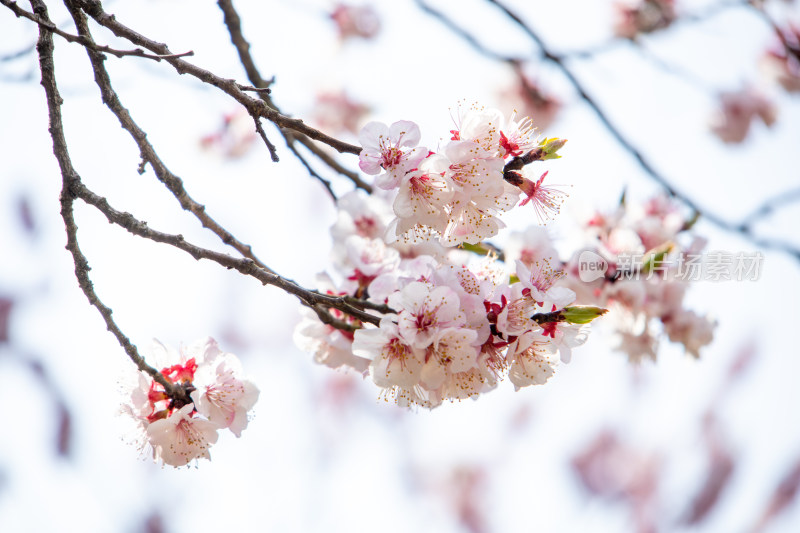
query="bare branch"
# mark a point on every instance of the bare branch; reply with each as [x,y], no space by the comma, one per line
[22,52]
[94,9]
[770,206]
[271,147]
[333,163]
[138,52]
[562,64]
[244,266]
[234,25]
[314,174]
[70,177]
[148,153]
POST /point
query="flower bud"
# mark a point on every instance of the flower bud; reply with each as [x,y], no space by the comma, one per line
[551,147]
[582,314]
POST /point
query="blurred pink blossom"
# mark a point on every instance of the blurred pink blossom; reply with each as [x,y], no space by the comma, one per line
[643,16]
[234,138]
[530,99]
[356,21]
[738,109]
[336,112]
[782,61]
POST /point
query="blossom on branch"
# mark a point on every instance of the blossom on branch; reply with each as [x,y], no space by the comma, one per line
[208,394]
[448,324]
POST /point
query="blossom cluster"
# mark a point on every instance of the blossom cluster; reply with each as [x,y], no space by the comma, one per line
[181,428]
[457,194]
[645,298]
[451,323]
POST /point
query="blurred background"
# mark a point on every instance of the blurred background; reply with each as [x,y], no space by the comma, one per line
[700,88]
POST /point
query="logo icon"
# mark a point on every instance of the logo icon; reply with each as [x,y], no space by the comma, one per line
[591,266]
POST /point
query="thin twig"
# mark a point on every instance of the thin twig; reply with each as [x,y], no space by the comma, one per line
[271,147]
[771,205]
[366,304]
[262,90]
[326,318]
[138,52]
[94,9]
[325,183]
[11,56]
[326,158]
[234,24]
[148,153]
[561,63]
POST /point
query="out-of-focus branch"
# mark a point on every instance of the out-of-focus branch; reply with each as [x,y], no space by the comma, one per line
[70,177]
[138,52]
[148,153]
[22,52]
[562,64]
[464,34]
[770,206]
[234,24]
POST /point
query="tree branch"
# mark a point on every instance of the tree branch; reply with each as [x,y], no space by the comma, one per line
[138,52]
[234,24]
[148,153]
[314,174]
[244,266]
[561,63]
[70,177]
[94,9]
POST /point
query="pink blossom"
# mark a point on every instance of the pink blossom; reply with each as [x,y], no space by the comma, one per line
[517,137]
[222,395]
[533,365]
[452,352]
[690,329]
[179,439]
[392,149]
[395,363]
[531,246]
[481,127]
[423,311]
[545,199]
